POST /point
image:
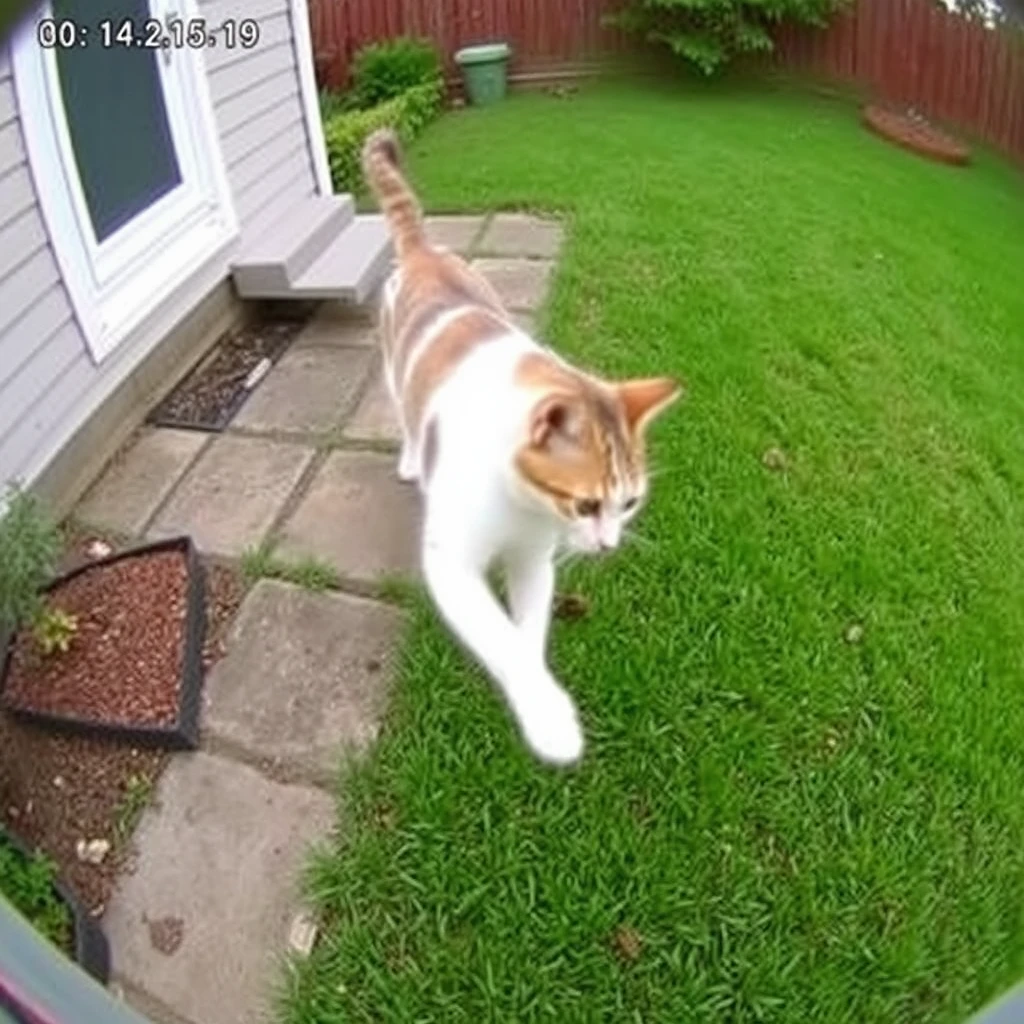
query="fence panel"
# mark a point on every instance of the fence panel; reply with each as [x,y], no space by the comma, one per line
[905,51]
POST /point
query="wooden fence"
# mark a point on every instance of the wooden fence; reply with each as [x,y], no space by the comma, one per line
[546,36]
[906,51]
[916,53]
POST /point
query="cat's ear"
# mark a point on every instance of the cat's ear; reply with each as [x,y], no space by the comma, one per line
[644,399]
[555,418]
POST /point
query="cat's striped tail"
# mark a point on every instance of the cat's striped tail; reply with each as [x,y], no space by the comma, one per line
[382,168]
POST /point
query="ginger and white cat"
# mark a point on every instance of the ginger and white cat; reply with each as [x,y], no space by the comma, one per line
[517,453]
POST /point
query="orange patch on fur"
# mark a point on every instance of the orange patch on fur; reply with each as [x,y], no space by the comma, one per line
[542,371]
[442,355]
[433,283]
[644,399]
[579,436]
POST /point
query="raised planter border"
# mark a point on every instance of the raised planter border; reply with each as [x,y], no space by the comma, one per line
[946,150]
[92,950]
[184,733]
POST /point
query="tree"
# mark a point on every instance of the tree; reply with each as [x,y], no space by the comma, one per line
[710,33]
[988,12]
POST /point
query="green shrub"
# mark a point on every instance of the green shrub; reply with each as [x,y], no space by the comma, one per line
[345,134]
[27,882]
[29,548]
[332,103]
[382,71]
[710,33]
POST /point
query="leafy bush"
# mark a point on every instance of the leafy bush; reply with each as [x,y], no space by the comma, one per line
[27,882]
[345,134]
[29,547]
[332,103]
[382,71]
[709,33]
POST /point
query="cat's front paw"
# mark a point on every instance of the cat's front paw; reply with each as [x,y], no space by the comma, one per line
[551,726]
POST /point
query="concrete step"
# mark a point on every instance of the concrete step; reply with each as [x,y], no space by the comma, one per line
[268,264]
[351,267]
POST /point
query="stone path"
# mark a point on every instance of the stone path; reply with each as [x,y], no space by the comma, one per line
[200,928]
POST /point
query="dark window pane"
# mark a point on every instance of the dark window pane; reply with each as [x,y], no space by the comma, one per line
[116,117]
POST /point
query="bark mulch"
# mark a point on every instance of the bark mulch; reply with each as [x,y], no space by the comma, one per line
[56,790]
[209,397]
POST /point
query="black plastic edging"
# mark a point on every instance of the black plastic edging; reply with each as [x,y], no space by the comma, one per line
[91,949]
[184,733]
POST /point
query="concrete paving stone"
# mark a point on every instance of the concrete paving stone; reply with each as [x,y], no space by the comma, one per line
[229,499]
[357,516]
[305,675]
[454,232]
[521,283]
[308,391]
[138,479]
[203,922]
[526,322]
[519,234]
[375,419]
[337,328]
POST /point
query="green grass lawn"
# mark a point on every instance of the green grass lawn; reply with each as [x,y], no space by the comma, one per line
[775,820]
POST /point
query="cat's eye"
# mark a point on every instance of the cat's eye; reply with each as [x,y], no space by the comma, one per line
[588,507]
[630,504]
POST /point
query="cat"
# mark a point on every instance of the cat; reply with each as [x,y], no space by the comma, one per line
[518,455]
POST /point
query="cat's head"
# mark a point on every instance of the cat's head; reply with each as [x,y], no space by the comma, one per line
[584,458]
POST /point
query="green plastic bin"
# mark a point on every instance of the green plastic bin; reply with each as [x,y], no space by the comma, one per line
[484,72]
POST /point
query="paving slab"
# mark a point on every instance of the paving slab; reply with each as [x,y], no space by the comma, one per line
[454,232]
[230,498]
[202,924]
[309,391]
[357,516]
[521,283]
[305,676]
[519,234]
[133,485]
[375,419]
[337,328]
[526,322]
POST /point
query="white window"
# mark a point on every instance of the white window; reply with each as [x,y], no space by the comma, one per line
[125,155]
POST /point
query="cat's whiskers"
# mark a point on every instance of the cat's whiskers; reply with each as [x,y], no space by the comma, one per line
[566,556]
[632,535]
[655,472]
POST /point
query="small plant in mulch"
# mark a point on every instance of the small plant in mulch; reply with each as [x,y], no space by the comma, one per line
[112,647]
[138,791]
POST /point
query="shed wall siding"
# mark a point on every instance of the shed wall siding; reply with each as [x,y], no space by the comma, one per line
[49,382]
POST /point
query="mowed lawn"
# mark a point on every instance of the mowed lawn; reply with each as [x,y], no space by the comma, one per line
[803,688]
